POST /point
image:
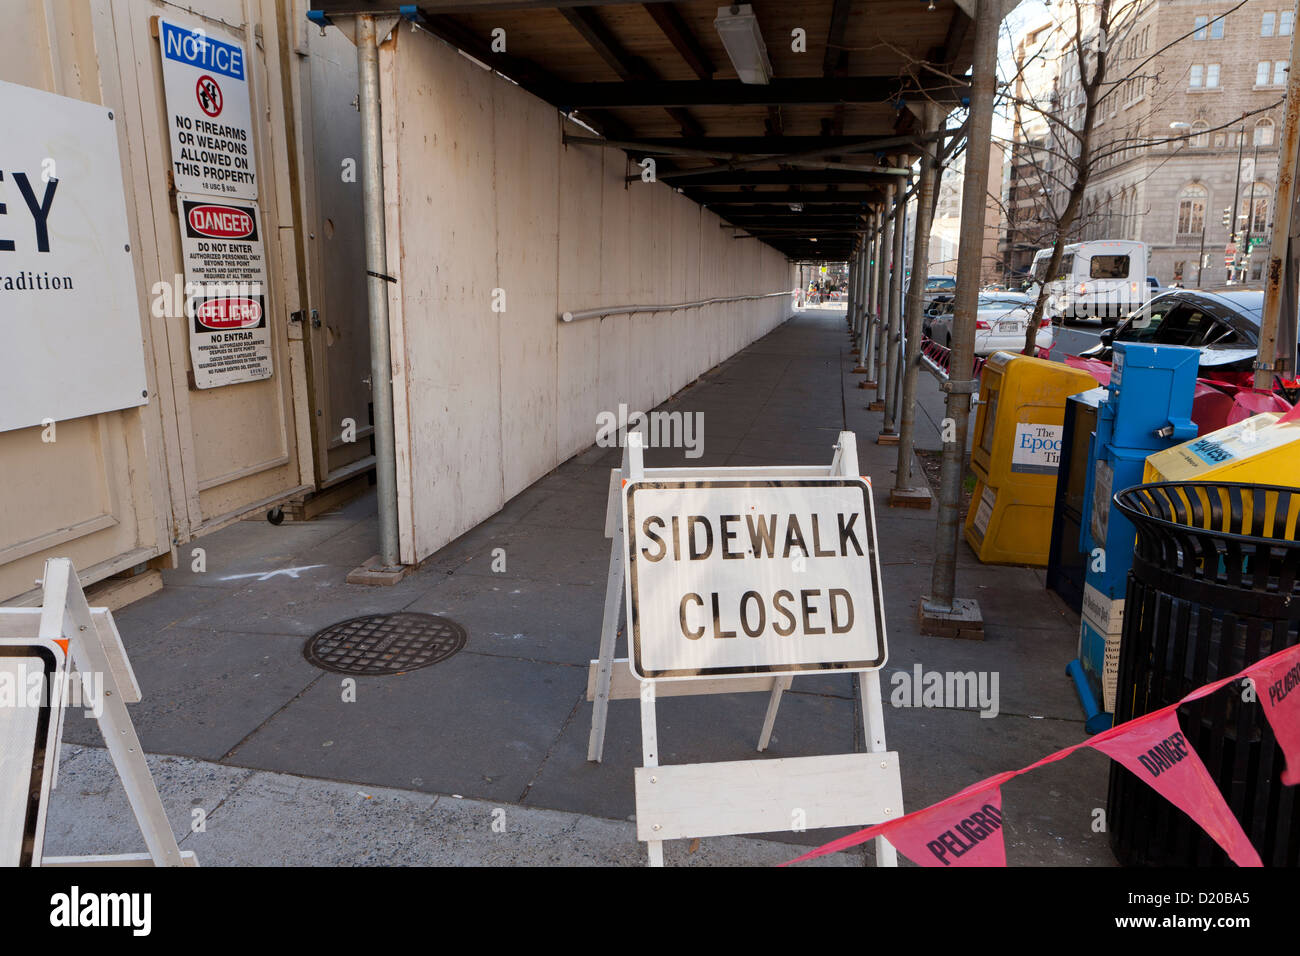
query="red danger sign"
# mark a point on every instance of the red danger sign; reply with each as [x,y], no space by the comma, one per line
[208,94]
[236,313]
[220,222]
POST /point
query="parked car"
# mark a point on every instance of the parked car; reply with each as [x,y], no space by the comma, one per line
[939,305]
[1224,325]
[936,286]
[1102,279]
[1153,286]
[1000,323]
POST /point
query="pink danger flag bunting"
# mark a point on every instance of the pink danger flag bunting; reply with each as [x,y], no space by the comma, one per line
[1156,751]
[966,828]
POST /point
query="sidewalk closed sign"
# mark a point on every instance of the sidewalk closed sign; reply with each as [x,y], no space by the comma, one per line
[752,576]
[205,80]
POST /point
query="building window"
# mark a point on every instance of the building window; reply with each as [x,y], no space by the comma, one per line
[1262,70]
[1211,28]
[1212,76]
[1284,23]
[1196,79]
[1266,24]
[1263,133]
[1191,210]
[1279,72]
[1200,138]
[1220,140]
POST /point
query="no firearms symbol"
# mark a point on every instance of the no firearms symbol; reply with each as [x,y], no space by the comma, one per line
[209,95]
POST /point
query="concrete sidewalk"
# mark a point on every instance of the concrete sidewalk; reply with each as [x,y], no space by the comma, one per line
[504,722]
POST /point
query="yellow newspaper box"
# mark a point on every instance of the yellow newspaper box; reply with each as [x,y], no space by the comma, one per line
[1259,450]
[1015,456]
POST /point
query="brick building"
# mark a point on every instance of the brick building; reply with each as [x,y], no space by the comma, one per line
[1037,58]
[1189,129]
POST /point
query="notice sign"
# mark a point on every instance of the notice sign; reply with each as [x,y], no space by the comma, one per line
[225,288]
[70,312]
[747,576]
[205,81]
[1037,450]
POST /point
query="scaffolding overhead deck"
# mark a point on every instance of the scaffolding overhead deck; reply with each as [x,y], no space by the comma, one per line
[795,152]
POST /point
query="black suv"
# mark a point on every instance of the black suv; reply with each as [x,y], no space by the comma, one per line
[1224,325]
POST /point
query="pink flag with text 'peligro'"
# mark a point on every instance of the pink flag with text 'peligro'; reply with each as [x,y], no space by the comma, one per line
[1277,685]
[960,831]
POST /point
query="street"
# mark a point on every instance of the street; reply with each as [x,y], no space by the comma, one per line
[1073,339]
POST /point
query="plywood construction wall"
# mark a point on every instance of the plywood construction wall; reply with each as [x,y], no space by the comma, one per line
[481,195]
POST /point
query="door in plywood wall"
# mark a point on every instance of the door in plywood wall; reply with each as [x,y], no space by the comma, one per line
[234,447]
[336,331]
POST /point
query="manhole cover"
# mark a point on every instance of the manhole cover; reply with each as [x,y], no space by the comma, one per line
[380,644]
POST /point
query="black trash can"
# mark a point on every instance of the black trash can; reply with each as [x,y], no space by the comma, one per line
[1215,587]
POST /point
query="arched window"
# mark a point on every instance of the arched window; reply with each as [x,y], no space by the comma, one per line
[1264,132]
[1191,209]
[1200,136]
[1255,202]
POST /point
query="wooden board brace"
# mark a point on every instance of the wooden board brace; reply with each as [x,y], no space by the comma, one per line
[95,648]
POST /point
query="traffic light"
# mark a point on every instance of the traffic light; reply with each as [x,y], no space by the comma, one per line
[1227,217]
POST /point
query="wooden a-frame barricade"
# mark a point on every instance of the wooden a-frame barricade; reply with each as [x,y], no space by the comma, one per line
[65,631]
[681,801]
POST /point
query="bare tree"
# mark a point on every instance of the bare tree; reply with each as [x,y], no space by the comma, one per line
[1081,51]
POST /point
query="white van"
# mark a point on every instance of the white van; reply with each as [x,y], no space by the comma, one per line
[1103,279]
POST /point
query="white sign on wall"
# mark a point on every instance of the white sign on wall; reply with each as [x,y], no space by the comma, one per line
[69,310]
[225,282]
[752,576]
[209,119]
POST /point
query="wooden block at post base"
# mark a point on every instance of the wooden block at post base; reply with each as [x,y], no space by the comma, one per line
[887,438]
[855,351]
[911,498]
[963,622]
[877,406]
[866,384]
[859,369]
[375,573]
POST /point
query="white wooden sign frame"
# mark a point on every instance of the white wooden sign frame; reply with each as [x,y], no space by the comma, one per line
[95,648]
[678,802]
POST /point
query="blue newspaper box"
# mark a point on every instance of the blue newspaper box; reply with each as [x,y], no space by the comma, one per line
[1148,407]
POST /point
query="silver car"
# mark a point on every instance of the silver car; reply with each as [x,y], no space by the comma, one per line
[1000,324]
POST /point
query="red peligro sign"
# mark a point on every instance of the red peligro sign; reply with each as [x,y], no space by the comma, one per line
[232,313]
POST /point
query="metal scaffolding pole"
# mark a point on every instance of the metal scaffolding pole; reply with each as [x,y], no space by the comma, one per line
[904,492]
[882,307]
[895,309]
[1277,330]
[381,367]
[850,288]
[941,612]
[859,317]
[869,292]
